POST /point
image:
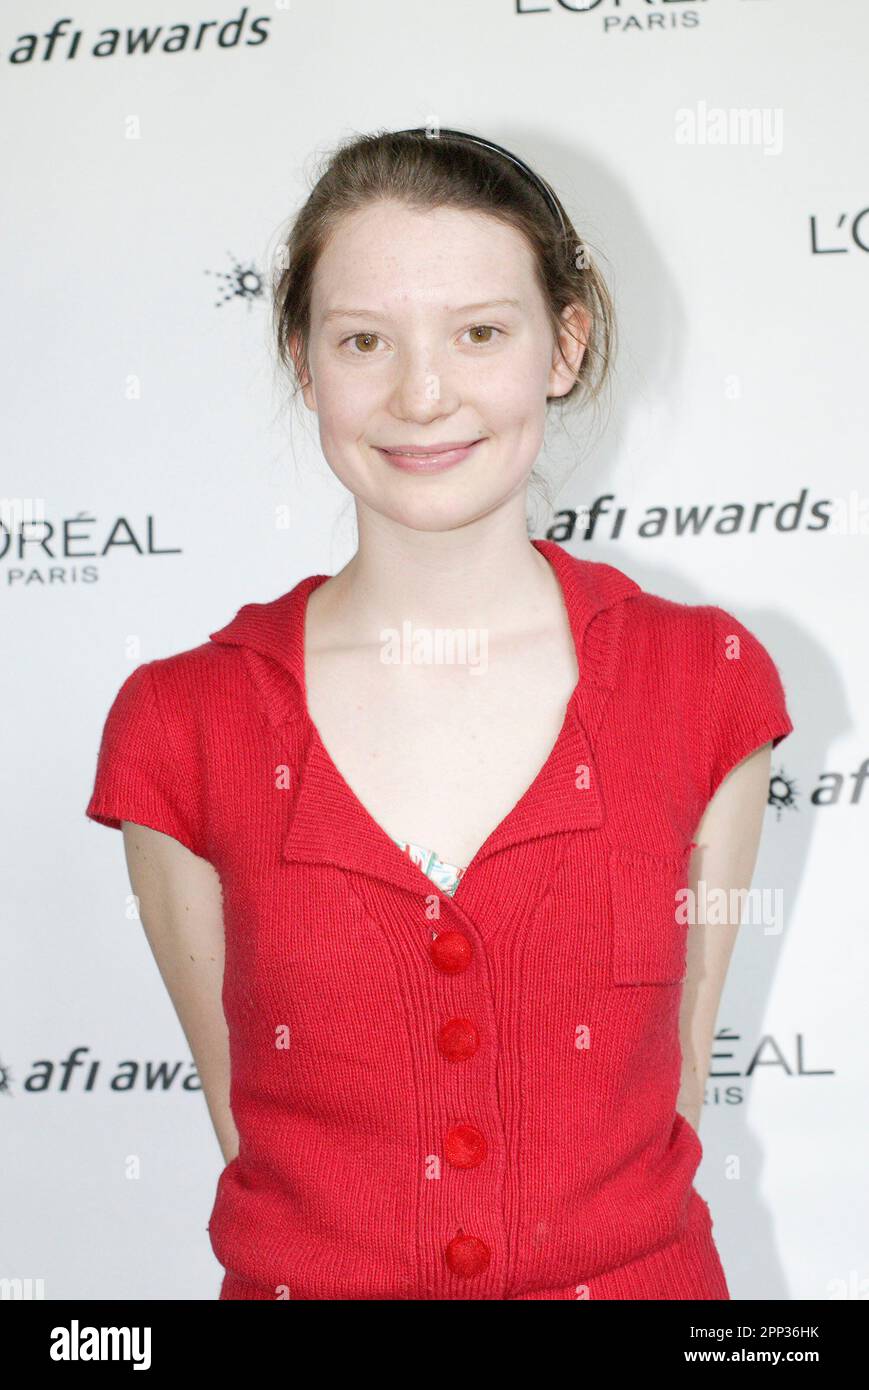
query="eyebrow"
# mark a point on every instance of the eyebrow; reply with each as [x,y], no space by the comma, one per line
[459,309]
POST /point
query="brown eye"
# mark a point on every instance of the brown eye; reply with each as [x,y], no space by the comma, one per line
[364,341]
[486,329]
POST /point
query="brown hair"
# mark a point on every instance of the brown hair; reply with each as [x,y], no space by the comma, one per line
[445,171]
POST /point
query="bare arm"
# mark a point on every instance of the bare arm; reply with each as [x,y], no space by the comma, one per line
[728,838]
[181,908]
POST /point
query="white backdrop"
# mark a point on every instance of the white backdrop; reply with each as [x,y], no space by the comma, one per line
[145,192]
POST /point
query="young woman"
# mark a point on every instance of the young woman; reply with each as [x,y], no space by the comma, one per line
[411,841]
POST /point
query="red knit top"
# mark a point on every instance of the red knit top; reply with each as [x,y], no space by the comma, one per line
[466,1097]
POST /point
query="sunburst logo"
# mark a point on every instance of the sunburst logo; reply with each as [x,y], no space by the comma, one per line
[239,282]
[782,793]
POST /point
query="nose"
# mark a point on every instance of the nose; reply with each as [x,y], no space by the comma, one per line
[425,387]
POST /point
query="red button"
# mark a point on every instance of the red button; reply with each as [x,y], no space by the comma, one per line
[451,951]
[458,1038]
[468,1255]
[465,1146]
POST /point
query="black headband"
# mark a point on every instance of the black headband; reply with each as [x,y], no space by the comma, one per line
[539,184]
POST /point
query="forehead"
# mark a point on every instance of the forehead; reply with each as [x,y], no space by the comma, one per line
[389,255]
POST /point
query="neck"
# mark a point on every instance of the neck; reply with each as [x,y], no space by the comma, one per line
[485,575]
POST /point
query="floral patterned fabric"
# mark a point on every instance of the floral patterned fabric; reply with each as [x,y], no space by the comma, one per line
[446,876]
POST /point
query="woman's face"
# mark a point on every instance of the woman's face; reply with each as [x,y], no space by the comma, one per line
[412,345]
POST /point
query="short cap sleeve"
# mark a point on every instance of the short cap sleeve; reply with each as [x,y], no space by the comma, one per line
[748,706]
[145,773]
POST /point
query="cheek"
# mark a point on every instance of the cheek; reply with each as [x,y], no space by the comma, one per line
[514,408]
[344,405]
[515,387]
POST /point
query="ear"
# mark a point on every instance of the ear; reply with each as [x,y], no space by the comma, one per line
[572,339]
[298,355]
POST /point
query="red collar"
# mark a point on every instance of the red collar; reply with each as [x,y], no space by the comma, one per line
[272,637]
[276,629]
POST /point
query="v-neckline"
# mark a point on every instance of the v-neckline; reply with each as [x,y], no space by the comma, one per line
[570,713]
[329,823]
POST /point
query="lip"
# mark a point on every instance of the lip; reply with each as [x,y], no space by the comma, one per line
[430,458]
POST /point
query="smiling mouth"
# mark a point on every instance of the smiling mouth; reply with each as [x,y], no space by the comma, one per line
[429,458]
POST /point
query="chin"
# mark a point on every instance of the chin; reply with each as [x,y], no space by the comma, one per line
[424,519]
[447,513]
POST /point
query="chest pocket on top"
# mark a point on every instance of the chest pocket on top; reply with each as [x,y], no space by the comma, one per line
[648,943]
